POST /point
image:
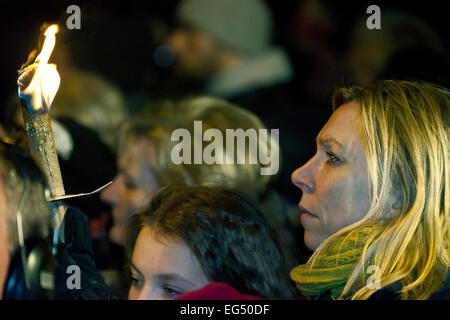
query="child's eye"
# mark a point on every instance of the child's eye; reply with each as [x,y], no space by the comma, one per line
[136,282]
[171,292]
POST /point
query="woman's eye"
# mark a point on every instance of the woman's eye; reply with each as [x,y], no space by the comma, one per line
[332,159]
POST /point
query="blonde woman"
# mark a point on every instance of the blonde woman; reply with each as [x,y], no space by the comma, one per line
[376,196]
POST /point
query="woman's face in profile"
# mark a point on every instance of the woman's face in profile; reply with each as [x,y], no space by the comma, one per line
[133,186]
[163,268]
[334,181]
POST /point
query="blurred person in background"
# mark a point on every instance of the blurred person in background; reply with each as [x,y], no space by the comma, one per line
[227,46]
[145,165]
[404,48]
[29,268]
[24,212]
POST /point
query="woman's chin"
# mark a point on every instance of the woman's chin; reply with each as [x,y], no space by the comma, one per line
[312,240]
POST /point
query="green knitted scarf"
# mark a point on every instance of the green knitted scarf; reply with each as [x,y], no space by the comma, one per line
[332,267]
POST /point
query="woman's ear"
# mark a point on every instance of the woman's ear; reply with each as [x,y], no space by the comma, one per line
[395,211]
[394,207]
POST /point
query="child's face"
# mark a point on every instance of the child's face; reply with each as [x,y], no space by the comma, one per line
[163,268]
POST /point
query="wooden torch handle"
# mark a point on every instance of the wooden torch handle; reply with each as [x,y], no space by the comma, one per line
[43,150]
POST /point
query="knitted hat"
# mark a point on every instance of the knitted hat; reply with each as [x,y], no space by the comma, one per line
[244,26]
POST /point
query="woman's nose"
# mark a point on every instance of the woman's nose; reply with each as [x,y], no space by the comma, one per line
[302,178]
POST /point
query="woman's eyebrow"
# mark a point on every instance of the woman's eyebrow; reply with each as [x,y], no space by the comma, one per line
[328,141]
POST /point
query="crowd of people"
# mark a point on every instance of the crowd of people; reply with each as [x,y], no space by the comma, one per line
[359,208]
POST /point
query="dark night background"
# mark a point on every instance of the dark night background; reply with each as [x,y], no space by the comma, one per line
[116,41]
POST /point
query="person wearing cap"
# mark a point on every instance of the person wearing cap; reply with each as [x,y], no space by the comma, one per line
[228,44]
[227,47]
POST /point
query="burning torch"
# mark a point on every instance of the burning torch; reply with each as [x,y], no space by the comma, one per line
[38,84]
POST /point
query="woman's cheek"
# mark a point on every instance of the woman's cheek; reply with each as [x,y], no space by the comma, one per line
[332,206]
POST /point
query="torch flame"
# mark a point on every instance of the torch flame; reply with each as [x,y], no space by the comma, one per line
[41,90]
[49,44]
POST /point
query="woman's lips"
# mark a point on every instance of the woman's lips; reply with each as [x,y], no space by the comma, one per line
[305,213]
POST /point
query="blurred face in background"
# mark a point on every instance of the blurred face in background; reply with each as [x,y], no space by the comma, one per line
[4,250]
[196,55]
[133,187]
[163,268]
[334,181]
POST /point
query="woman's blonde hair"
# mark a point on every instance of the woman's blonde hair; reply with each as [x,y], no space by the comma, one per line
[405,136]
